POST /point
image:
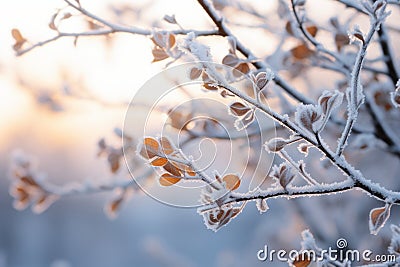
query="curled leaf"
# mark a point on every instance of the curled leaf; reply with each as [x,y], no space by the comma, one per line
[378,218]
[309,117]
[244,121]
[276,144]
[171,41]
[217,218]
[283,174]
[19,39]
[357,34]
[328,102]
[262,205]
[262,79]
[52,24]
[303,148]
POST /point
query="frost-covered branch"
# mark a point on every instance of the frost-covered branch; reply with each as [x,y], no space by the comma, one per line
[225,31]
[110,28]
[292,192]
[355,94]
[384,41]
[105,32]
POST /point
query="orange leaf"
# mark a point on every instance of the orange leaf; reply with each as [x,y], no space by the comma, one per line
[16,34]
[151,143]
[301,52]
[167,179]
[301,262]
[241,69]
[312,30]
[159,162]
[190,171]
[232,181]
[171,40]
[378,218]
[159,54]
[150,148]
[19,39]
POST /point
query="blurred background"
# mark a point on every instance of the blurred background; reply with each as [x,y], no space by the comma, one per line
[58,101]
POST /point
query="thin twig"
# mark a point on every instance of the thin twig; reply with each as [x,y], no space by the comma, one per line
[355,90]
[225,31]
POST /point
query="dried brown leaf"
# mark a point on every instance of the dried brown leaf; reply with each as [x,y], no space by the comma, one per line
[378,218]
[159,162]
[159,54]
[238,109]
[171,40]
[230,60]
[232,181]
[210,86]
[241,69]
[195,73]
[167,179]
[341,40]
[19,39]
[312,30]
[301,52]
[301,261]
[166,145]
[171,168]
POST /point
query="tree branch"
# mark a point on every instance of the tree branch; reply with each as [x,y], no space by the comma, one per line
[355,93]
[224,31]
